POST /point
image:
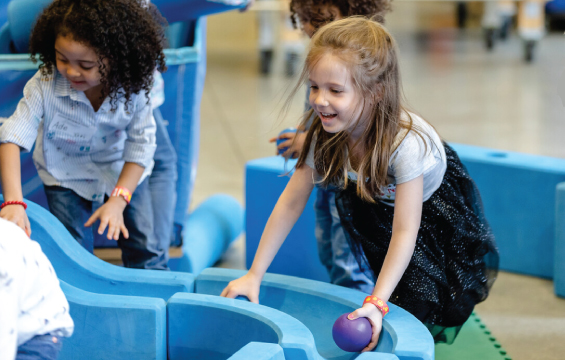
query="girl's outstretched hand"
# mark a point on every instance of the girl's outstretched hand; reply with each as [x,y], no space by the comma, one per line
[17,215]
[111,214]
[375,317]
[247,285]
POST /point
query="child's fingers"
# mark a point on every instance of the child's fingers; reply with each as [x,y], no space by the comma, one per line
[285,144]
[103,224]
[273,139]
[287,135]
[117,230]
[374,338]
[92,219]
[124,231]
[111,230]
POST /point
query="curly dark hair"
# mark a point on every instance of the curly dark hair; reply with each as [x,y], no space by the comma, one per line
[375,9]
[128,34]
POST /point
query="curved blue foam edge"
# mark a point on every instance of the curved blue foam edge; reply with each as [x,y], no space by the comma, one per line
[81,269]
[22,14]
[259,351]
[208,232]
[178,10]
[212,327]
[115,327]
[559,256]
[318,304]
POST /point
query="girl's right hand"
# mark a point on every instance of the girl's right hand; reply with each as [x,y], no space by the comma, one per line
[17,215]
[247,285]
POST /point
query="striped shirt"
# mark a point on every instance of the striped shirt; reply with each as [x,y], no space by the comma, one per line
[76,147]
[31,300]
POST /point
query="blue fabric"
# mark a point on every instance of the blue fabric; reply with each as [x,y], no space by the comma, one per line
[162,184]
[333,247]
[40,347]
[140,250]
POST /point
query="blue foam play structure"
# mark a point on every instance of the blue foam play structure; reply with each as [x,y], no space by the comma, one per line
[518,192]
[124,314]
[184,82]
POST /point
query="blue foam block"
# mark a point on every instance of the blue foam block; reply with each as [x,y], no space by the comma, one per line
[115,327]
[259,351]
[559,256]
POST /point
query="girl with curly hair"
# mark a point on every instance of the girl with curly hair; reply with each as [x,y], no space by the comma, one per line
[411,211]
[88,112]
[333,249]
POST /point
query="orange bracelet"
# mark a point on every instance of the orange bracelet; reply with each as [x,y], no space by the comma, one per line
[122,192]
[380,304]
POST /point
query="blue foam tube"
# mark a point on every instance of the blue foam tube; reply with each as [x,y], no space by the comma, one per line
[208,232]
[179,10]
[259,351]
[115,327]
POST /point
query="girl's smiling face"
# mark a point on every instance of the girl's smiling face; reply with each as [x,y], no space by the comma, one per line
[333,96]
[78,63]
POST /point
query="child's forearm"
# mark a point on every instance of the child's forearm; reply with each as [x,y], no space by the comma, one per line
[288,209]
[10,172]
[130,175]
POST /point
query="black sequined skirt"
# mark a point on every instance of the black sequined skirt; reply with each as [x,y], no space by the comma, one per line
[455,260]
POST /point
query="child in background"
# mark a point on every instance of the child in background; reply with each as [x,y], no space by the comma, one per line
[412,213]
[88,110]
[333,249]
[34,315]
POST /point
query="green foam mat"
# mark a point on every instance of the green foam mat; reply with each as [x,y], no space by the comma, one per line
[474,342]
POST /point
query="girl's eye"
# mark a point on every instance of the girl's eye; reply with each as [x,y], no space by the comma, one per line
[62,60]
[314,87]
[87,68]
[336,91]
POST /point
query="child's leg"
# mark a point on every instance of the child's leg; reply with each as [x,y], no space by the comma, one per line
[140,250]
[324,228]
[162,184]
[40,347]
[345,270]
[73,211]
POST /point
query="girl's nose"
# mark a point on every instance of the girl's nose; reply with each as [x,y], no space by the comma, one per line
[72,72]
[321,99]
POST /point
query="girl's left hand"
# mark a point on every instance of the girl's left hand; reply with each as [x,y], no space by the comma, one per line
[375,317]
[111,214]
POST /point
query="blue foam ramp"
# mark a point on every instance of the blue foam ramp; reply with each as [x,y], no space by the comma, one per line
[317,305]
[208,232]
[559,257]
[115,327]
[211,327]
[259,351]
[77,267]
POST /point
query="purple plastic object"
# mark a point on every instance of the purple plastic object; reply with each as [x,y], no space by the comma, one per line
[279,141]
[352,335]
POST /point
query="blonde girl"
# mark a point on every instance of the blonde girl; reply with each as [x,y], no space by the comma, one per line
[407,204]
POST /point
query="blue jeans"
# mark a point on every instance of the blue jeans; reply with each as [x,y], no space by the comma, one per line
[333,248]
[140,250]
[162,185]
[40,347]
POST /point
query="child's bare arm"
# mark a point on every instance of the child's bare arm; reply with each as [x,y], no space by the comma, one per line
[10,174]
[405,226]
[111,213]
[288,209]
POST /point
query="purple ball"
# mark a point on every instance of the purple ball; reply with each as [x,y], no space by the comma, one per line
[352,335]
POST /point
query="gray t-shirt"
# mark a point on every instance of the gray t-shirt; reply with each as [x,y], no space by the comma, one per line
[412,158]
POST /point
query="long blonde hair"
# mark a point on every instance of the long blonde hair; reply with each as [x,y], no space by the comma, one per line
[370,54]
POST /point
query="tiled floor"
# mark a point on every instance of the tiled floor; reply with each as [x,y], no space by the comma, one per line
[470,95]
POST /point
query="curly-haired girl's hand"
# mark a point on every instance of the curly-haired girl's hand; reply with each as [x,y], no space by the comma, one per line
[375,317]
[17,215]
[294,143]
[111,214]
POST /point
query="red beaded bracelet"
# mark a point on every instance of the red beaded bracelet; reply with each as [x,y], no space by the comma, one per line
[380,304]
[6,203]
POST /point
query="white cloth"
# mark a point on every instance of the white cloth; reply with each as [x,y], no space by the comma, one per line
[76,147]
[413,157]
[31,300]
